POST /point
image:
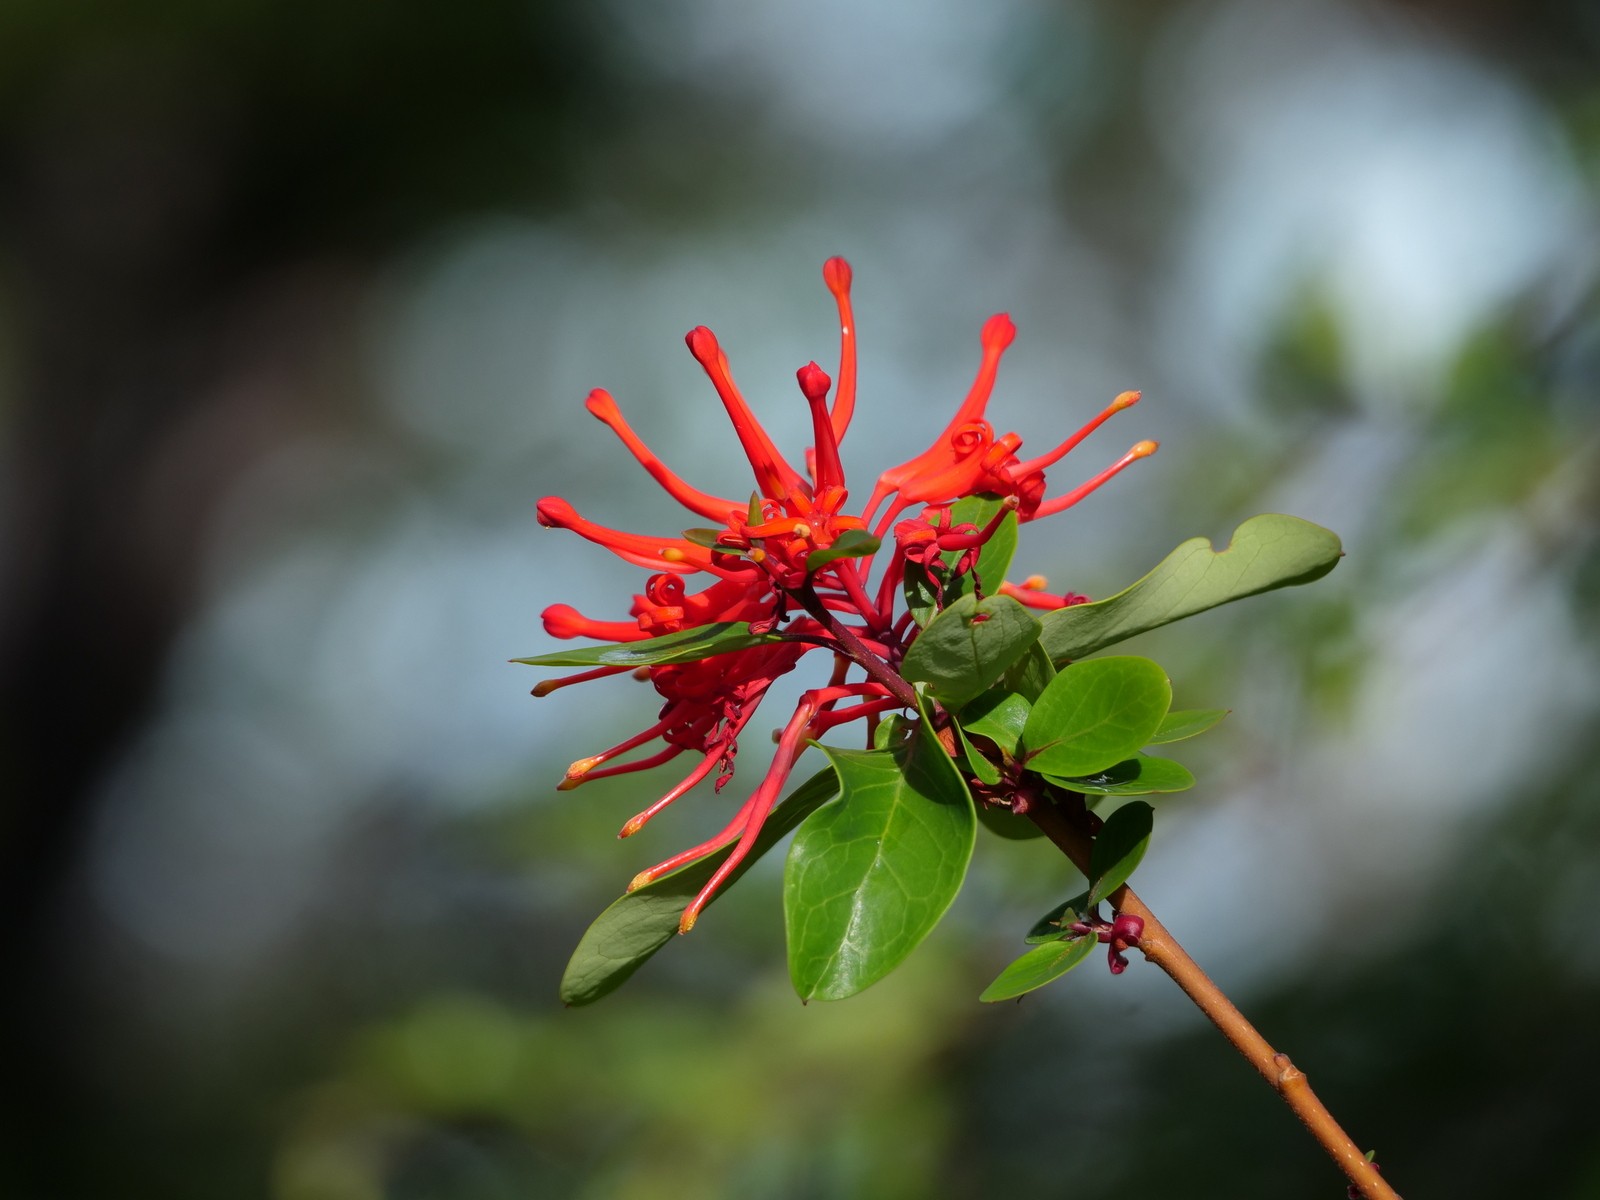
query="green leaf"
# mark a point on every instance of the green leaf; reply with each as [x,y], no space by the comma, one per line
[1187,723]
[981,767]
[1038,967]
[1118,847]
[634,927]
[1052,926]
[923,597]
[852,543]
[1002,822]
[1267,552]
[966,647]
[687,645]
[1030,674]
[998,715]
[868,877]
[1094,715]
[1140,775]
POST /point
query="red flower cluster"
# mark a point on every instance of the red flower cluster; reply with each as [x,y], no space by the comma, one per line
[760,557]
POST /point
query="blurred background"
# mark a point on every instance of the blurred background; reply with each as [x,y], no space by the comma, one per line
[298,307]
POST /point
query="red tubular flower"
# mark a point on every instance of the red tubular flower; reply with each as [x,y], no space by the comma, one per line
[759,555]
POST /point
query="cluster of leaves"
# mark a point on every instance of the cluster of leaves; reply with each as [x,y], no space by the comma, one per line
[1012,711]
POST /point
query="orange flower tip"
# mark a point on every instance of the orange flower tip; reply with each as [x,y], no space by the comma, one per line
[1035,583]
[998,332]
[632,827]
[836,273]
[1144,449]
[703,345]
[582,767]
[673,554]
[566,785]
[1011,502]
[814,382]
[545,688]
[639,880]
[642,674]
[757,555]
[687,922]
[1125,400]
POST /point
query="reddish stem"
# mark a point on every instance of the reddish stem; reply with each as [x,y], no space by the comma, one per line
[1161,948]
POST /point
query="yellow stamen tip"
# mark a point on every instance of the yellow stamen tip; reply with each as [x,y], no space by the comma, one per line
[801,529]
[1035,583]
[1144,449]
[638,881]
[687,923]
[758,555]
[1125,400]
[582,767]
[673,554]
[632,827]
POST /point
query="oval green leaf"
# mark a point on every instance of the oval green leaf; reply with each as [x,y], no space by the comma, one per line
[852,543]
[1118,847]
[1176,726]
[998,715]
[1141,775]
[869,876]
[966,647]
[687,645]
[1052,926]
[982,769]
[1095,714]
[1038,967]
[634,927]
[1030,674]
[1266,552]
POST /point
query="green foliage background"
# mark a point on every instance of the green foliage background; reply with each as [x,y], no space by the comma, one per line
[298,306]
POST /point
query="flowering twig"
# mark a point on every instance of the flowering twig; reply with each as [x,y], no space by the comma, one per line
[1161,949]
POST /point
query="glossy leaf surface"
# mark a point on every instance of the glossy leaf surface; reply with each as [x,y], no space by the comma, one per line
[634,927]
[1267,552]
[1030,674]
[1094,715]
[967,646]
[1140,775]
[1039,966]
[1176,726]
[1118,848]
[1052,925]
[870,875]
[852,543]
[688,645]
[998,715]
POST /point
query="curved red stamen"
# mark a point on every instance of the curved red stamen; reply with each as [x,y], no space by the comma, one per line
[774,476]
[659,554]
[604,407]
[553,685]
[1123,400]
[837,275]
[1050,507]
